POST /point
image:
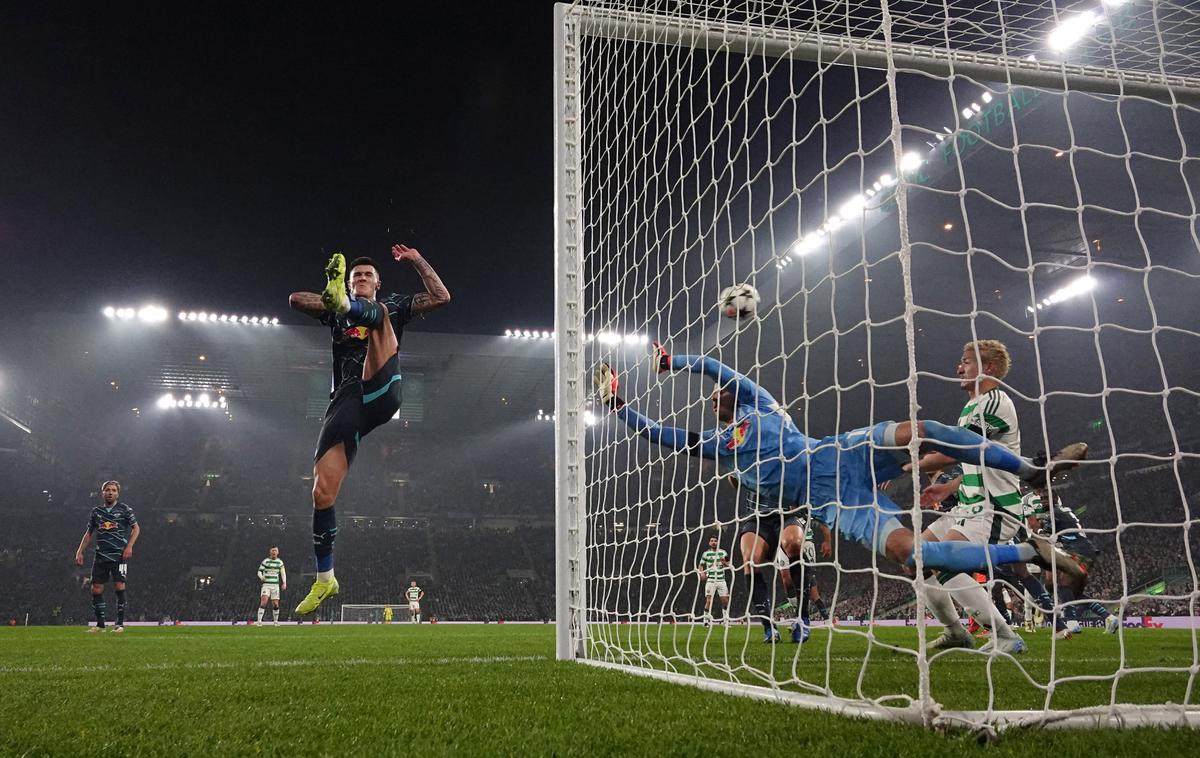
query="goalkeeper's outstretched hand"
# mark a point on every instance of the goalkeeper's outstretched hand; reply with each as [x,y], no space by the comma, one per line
[661,358]
[604,379]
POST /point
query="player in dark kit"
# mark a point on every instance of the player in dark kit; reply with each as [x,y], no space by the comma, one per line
[116,530]
[366,331]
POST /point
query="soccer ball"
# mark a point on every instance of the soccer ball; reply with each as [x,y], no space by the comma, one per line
[739,301]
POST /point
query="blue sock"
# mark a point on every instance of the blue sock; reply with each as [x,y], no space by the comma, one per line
[365,312]
[974,449]
[324,532]
[1098,609]
[961,557]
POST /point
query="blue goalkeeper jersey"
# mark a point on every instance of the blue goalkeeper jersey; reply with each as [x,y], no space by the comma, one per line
[762,446]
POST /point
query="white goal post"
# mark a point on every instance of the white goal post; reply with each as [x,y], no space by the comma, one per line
[896,179]
[374,614]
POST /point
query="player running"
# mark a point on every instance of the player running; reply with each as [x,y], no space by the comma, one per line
[714,562]
[1059,523]
[836,475]
[116,529]
[989,508]
[273,576]
[415,595]
[366,331]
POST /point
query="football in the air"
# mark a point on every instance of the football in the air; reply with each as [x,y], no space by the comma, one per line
[739,301]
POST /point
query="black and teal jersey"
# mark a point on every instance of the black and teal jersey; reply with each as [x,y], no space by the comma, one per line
[111,527]
[1062,525]
[350,342]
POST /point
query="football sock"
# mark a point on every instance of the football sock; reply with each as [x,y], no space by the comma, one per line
[968,447]
[275,614]
[261,611]
[120,607]
[365,312]
[324,533]
[956,557]
[99,606]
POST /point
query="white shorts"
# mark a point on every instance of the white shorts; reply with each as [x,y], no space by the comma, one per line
[717,586]
[414,607]
[270,591]
[979,530]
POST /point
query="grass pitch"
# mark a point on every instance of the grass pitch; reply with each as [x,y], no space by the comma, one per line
[496,690]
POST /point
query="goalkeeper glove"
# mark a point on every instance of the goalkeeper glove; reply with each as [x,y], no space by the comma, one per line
[661,359]
[605,381]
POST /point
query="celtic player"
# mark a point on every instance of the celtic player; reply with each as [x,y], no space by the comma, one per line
[989,510]
[273,576]
[116,529]
[713,564]
[415,595]
[366,330]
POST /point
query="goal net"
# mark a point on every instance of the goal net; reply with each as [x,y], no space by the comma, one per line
[374,614]
[896,179]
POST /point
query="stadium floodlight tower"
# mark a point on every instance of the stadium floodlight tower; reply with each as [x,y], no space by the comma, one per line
[893,178]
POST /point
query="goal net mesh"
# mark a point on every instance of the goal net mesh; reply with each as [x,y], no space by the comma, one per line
[374,614]
[896,179]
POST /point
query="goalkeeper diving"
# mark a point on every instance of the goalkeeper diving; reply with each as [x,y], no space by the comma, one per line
[837,476]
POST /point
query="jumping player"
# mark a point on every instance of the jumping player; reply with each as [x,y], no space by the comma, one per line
[366,331]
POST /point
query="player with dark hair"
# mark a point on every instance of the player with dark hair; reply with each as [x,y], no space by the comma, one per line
[366,331]
[1056,521]
[116,529]
[836,476]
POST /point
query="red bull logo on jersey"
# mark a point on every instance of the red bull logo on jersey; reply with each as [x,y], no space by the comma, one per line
[357,332]
[108,526]
[738,436]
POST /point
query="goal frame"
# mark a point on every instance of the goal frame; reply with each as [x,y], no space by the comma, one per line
[397,607]
[571,385]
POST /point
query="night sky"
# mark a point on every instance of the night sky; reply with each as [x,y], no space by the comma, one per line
[213,157]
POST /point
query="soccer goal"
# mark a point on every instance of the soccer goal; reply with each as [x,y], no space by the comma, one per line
[896,179]
[374,614]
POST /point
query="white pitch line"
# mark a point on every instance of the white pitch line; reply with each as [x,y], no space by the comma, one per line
[285,663]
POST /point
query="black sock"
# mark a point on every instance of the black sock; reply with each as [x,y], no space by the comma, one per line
[1066,595]
[99,606]
[120,607]
[760,599]
[820,606]
[324,533]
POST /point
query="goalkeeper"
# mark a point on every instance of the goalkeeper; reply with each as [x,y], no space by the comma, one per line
[836,476]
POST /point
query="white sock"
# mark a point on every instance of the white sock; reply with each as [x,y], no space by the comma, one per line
[942,607]
[324,576]
[275,614]
[260,614]
[976,601]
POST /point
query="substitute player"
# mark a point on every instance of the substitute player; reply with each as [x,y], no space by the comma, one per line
[837,475]
[714,562]
[116,529]
[415,595]
[366,331]
[273,576]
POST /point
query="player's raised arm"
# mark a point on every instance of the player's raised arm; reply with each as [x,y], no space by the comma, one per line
[745,390]
[692,443]
[435,295]
[308,303]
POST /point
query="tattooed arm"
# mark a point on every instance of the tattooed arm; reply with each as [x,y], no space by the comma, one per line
[435,295]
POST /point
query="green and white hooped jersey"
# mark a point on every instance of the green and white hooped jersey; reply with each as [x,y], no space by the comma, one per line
[713,563]
[991,415]
[413,594]
[271,570]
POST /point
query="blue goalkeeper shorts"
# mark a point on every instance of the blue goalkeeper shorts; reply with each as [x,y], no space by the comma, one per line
[844,472]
